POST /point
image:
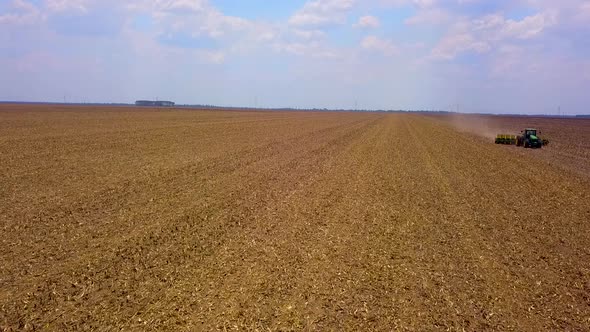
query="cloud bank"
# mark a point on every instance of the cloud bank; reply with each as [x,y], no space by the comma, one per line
[488,56]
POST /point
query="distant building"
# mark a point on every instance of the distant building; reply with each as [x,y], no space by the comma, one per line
[158,103]
[164,103]
[145,103]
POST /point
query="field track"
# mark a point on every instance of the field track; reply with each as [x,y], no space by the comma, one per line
[119,219]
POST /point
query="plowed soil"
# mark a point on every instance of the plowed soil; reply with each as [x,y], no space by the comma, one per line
[154,220]
[569,138]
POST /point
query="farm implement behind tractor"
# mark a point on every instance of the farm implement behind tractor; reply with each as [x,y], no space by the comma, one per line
[528,139]
[506,139]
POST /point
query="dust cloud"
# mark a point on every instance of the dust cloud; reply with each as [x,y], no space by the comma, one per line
[477,125]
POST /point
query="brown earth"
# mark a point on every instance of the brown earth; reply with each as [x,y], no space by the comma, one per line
[128,219]
[569,138]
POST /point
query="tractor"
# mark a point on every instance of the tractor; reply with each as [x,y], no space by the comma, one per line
[528,139]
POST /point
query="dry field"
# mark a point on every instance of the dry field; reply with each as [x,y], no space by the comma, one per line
[147,220]
[569,137]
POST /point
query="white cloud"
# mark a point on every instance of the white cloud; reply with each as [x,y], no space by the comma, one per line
[367,22]
[309,34]
[183,6]
[310,49]
[21,13]
[528,27]
[507,60]
[452,45]
[415,3]
[322,12]
[23,5]
[376,44]
[202,35]
[482,34]
[432,16]
[67,5]
[425,3]
[202,21]
[215,57]
[487,22]
[581,14]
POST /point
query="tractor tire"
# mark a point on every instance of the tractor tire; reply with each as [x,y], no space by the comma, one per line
[526,144]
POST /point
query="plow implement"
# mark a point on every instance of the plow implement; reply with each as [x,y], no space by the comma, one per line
[506,139]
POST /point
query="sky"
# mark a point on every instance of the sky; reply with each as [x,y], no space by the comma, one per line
[517,56]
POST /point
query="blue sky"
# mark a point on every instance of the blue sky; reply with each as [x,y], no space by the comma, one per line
[525,56]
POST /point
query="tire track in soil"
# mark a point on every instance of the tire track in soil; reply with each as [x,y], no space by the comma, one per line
[214,292]
[517,286]
[102,201]
[374,222]
[331,268]
[151,240]
[263,292]
[445,265]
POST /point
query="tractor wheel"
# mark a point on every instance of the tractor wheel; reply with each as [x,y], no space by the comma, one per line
[526,144]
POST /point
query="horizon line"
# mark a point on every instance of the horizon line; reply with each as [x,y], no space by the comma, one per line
[207,106]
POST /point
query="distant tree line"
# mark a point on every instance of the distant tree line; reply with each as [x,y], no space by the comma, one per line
[214,107]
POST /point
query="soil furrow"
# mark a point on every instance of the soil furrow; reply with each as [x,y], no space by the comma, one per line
[214,220]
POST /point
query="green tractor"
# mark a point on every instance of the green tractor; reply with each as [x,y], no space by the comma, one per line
[529,139]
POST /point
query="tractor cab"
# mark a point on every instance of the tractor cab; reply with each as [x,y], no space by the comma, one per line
[530,132]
